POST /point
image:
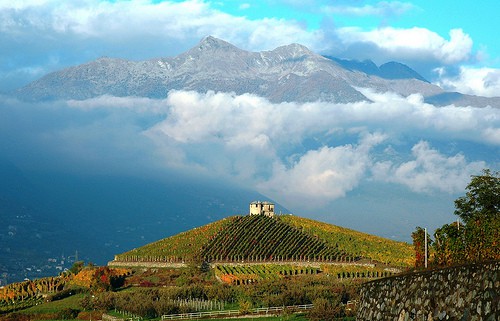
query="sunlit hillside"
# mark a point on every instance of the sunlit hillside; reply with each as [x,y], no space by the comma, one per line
[257,238]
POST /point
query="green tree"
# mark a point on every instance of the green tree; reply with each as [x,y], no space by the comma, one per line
[480,211]
[482,199]
[77,267]
[478,238]
[449,244]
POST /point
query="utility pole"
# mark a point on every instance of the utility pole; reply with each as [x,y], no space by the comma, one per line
[425,238]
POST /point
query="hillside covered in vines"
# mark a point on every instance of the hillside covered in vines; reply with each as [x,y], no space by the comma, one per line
[181,247]
[356,243]
[258,238]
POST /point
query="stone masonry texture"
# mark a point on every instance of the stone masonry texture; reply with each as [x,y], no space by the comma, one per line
[465,293]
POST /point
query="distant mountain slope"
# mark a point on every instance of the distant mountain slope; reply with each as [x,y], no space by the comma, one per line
[287,73]
[259,238]
[459,99]
[390,70]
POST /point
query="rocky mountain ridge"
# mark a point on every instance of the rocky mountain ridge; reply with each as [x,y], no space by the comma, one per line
[287,73]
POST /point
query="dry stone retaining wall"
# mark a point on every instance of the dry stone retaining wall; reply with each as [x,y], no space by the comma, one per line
[465,293]
[150,265]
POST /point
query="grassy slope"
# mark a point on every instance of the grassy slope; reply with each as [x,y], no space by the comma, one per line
[356,243]
[72,302]
[183,245]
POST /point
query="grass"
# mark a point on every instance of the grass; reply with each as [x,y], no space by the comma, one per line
[72,302]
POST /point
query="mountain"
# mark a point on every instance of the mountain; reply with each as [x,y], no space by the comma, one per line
[391,70]
[459,99]
[287,73]
[259,238]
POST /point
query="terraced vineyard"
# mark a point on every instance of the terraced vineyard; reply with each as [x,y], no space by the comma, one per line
[244,274]
[355,243]
[258,238]
[178,248]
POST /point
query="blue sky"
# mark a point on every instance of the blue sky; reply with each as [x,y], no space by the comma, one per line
[440,16]
[343,159]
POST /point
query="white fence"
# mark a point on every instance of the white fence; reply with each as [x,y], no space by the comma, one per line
[228,313]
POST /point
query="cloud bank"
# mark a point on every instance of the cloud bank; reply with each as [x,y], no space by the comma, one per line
[339,160]
[472,81]
[319,152]
[415,44]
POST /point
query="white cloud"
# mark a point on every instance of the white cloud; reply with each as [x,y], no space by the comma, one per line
[237,120]
[429,170]
[473,81]
[18,5]
[383,9]
[313,151]
[412,44]
[244,6]
[321,175]
[125,20]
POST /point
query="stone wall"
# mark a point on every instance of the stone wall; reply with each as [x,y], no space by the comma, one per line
[469,292]
[150,265]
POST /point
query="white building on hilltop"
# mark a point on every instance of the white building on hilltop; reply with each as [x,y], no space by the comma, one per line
[262,208]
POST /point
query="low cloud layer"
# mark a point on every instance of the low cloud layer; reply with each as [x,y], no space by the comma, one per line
[473,81]
[320,151]
[305,156]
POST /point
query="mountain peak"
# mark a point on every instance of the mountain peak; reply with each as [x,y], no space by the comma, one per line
[211,43]
[295,50]
[396,70]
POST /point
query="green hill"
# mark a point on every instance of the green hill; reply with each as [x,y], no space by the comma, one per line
[258,238]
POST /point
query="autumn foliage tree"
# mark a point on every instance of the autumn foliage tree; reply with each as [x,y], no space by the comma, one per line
[419,238]
[449,244]
[100,278]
